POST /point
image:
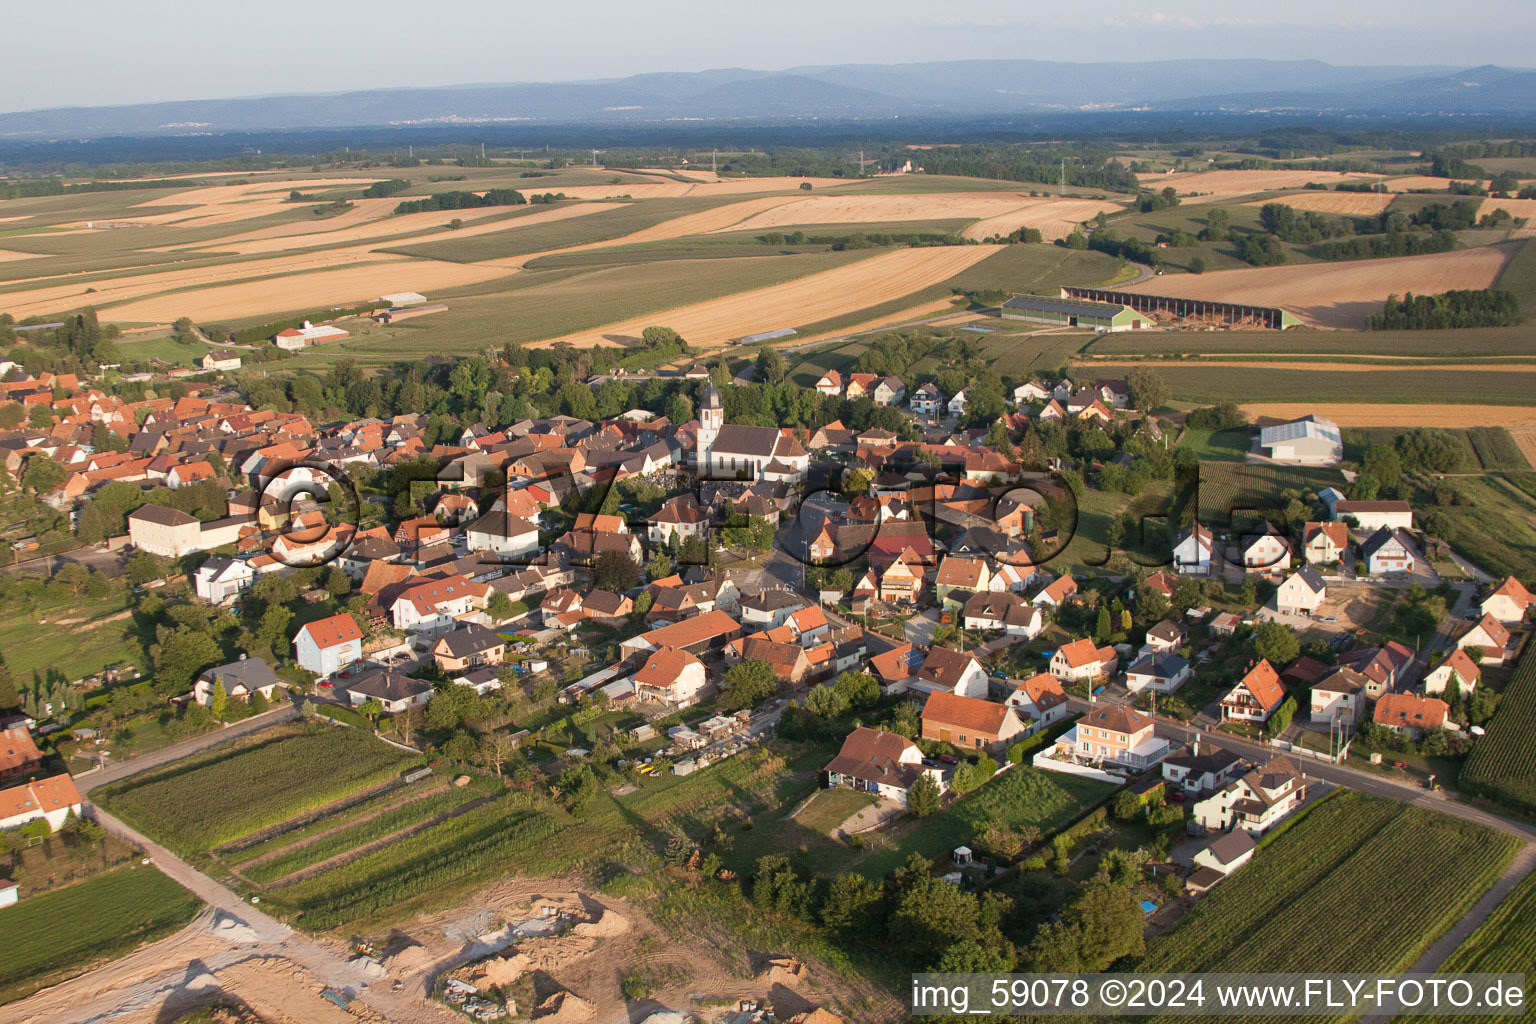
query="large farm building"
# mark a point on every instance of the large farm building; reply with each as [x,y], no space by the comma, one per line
[1169,311]
[1072,312]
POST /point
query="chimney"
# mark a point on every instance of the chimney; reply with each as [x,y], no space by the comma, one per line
[1195,747]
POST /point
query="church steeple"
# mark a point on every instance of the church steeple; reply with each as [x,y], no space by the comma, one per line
[711,418]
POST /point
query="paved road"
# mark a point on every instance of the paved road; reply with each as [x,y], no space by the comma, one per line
[1342,775]
[186,748]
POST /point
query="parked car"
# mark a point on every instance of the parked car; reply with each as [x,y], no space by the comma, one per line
[949,759]
[1176,797]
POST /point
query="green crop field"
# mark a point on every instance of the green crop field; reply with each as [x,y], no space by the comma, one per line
[1496,449]
[1519,276]
[306,853]
[213,799]
[1023,355]
[1230,487]
[1357,884]
[625,218]
[1458,345]
[1502,765]
[1496,529]
[1504,943]
[57,935]
[1209,383]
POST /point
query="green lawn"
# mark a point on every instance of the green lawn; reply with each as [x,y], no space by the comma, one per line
[57,935]
[1218,445]
[77,636]
[1022,796]
[831,807]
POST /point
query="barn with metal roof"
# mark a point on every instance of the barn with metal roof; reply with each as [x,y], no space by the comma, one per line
[1101,316]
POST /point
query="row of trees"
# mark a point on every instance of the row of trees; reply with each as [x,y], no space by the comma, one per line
[1484,307]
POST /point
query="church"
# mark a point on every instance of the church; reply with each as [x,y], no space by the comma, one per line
[732,452]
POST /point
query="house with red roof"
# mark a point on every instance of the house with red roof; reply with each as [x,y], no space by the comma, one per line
[1508,602]
[326,646]
[52,799]
[1255,697]
[671,676]
[970,723]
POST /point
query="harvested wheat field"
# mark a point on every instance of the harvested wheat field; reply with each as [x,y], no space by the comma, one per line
[1340,295]
[1517,208]
[222,204]
[1212,185]
[342,286]
[882,208]
[870,282]
[6,256]
[1353,204]
[676,189]
[1409,182]
[1367,414]
[1525,440]
[1056,218]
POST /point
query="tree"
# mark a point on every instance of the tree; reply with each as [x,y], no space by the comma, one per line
[1146,387]
[41,474]
[180,655]
[923,797]
[615,571]
[501,608]
[851,904]
[1127,805]
[1197,265]
[770,365]
[748,684]
[1275,643]
[1102,628]
[218,703]
[579,787]
[496,749]
[371,709]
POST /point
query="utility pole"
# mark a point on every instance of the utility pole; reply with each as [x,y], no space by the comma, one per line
[713,154]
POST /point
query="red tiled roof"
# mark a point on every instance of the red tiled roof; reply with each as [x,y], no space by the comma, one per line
[970,713]
[328,633]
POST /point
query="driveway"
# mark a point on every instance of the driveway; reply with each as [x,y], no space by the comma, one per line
[919,628]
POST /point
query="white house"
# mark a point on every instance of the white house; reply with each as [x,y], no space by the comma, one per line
[671,676]
[1227,854]
[1301,593]
[1339,698]
[327,646]
[53,799]
[437,605]
[1508,602]
[1457,670]
[239,678]
[1386,550]
[1255,697]
[1193,550]
[1159,673]
[881,763]
[949,671]
[394,692]
[927,400]
[1041,698]
[1266,552]
[510,537]
[1254,803]
[957,403]
[1081,659]
[1031,391]
[1204,769]
[1310,441]
[221,579]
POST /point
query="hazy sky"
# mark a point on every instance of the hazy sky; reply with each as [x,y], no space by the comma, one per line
[100,52]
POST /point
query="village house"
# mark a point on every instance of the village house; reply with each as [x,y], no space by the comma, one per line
[1118,736]
[698,635]
[1458,670]
[927,400]
[1411,715]
[509,537]
[1193,550]
[970,723]
[1003,612]
[1158,672]
[1204,768]
[1057,593]
[1386,551]
[671,676]
[1255,697]
[1225,855]
[1490,638]
[831,383]
[1255,803]
[240,679]
[1266,552]
[879,762]
[968,574]
[1301,593]
[1338,699]
[52,799]
[18,752]
[1082,660]
[1165,636]
[1324,543]
[1041,699]
[470,646]
[1379,665]
[221,579]
[329,645]
[947,671]
[395,693]
[680,518]
[1508,602]
[1310,441]
[434,606]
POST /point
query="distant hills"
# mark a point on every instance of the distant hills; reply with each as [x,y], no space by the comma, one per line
[849,92]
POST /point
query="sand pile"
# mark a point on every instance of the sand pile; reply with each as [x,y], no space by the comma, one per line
[605,925]
[783,971]
[565,1008]
[410,960]
[232,929]
[497,972]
